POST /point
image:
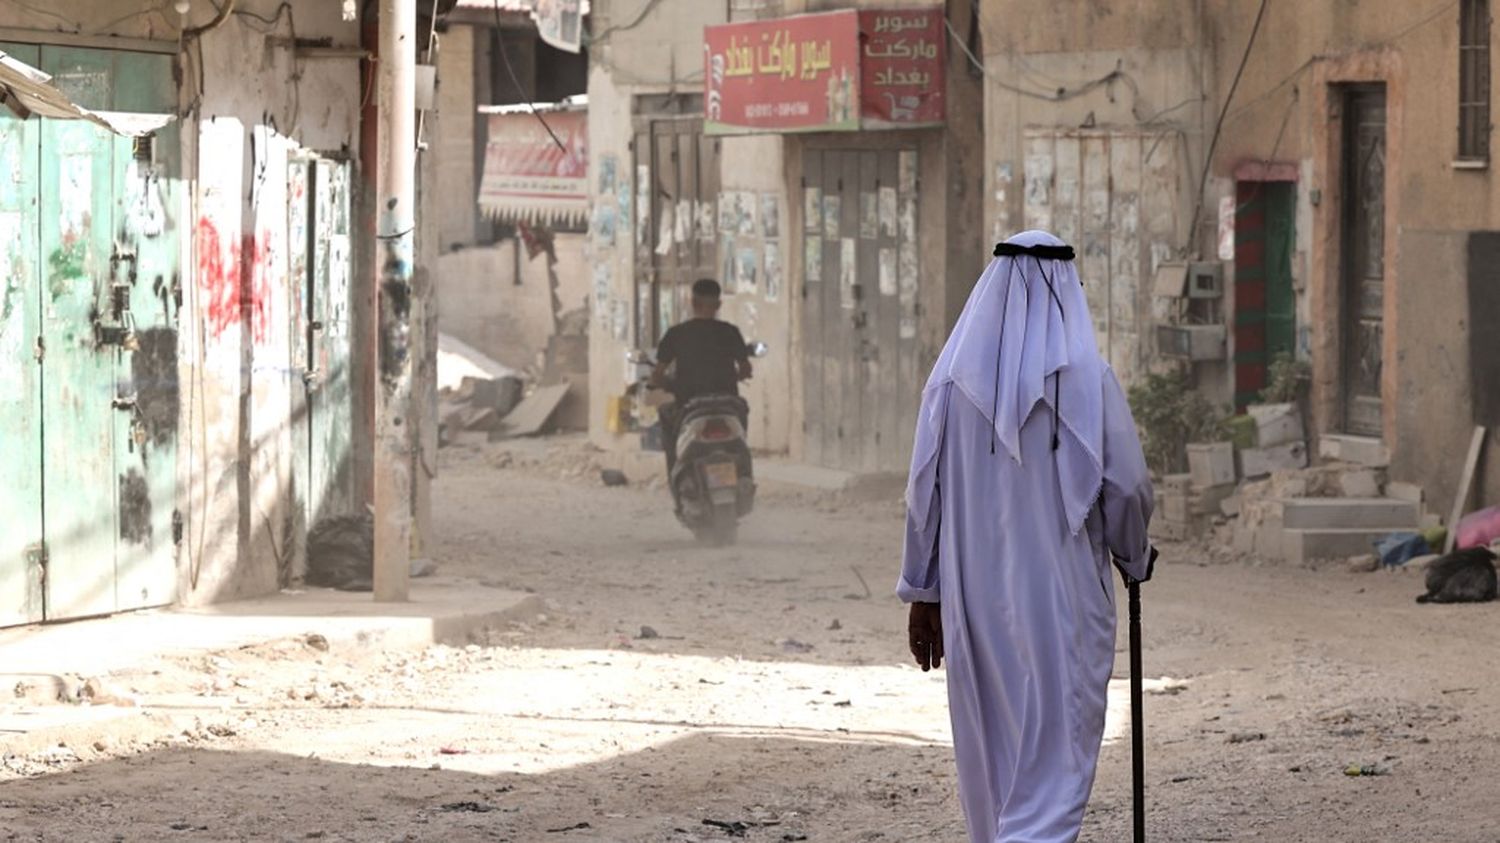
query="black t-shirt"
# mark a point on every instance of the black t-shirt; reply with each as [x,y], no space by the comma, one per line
[706,352]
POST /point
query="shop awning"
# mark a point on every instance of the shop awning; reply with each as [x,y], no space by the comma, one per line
[528,177]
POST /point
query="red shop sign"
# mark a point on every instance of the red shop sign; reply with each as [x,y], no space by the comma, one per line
[902,57]
[839,71]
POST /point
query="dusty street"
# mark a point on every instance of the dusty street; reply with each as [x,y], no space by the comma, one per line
[672,693]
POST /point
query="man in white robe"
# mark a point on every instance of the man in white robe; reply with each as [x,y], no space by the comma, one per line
[1027,484]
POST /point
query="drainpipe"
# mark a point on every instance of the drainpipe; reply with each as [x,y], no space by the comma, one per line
[395,229]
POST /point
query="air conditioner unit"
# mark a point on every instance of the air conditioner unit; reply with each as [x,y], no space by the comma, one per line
[1191,342]
[1205,281]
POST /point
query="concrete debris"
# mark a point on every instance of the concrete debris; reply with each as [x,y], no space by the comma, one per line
[1262,462]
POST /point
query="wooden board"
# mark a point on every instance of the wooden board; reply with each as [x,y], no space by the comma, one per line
[531,416]
[1466,481]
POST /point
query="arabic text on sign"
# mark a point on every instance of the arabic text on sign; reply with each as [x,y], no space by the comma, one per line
[896,23]
[902,49]
[777,56]
[895,78]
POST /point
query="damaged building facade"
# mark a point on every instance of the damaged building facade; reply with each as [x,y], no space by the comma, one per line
[1341,217]
[822,162]
[181,395]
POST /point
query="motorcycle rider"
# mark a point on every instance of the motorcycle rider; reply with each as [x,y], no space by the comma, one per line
[710,359]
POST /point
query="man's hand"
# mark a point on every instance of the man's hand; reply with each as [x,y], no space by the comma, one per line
[743,365]
[924,628]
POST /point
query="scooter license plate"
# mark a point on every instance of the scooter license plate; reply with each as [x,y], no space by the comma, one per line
[721,475]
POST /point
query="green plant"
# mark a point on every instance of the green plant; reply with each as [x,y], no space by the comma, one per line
[1287,377]
[1170,415]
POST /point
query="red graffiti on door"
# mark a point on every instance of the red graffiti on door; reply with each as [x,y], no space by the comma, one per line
[236,281]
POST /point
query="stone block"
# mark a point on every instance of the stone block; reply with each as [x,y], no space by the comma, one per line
[1206,501]
[1230,506]
[1174,507]
[1177,483]
[1211,464]
[1406,492]
[1277,424]
[1359,483]
[1260,462]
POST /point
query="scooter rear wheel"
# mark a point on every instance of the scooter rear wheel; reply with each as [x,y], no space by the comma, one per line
[723,530]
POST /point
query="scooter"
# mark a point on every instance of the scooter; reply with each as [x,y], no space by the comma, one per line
[713,479]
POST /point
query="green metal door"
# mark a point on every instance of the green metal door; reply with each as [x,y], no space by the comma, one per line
[145,291]
[20,375]
[331,490]
[78,394]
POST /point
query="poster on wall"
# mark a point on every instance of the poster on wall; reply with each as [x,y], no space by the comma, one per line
[796,74]
[848,273]
[1226,228]
[642,204]
[770,216]
[812,259]
[773,272]
[887,271]
[685,216]
[667,226]
[744,205]
[906,169]
[603,278]
[621,320]
[746,265]
[727,271]
[706,229]
[812,209]
[869,215]
[607,166]
[887,211]
[832,205]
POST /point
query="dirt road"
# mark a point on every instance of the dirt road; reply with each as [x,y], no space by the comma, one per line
[673,693]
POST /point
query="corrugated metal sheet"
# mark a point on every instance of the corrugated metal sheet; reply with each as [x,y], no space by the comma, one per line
[28,92]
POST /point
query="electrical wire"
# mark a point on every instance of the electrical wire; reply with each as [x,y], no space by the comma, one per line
[1062,94]
[1208,158]
[520,91]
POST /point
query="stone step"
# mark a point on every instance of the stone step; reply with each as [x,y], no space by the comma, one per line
[1302,546]
[1361,450]
[1337,513]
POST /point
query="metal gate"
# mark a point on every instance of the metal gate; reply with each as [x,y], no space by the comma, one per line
[677,242]
[1363,258]
[318,190]
[859,303]
[88,346]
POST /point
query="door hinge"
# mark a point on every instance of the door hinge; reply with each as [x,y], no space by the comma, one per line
[39,350]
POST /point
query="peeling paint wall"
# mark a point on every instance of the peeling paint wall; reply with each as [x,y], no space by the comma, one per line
[222,382]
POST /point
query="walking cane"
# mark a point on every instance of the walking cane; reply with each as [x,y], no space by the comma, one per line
[1137,715]
[1137,703]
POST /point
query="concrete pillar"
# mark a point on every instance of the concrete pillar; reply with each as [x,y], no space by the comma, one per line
[395,223]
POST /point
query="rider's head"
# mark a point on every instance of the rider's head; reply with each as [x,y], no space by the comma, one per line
[706,299]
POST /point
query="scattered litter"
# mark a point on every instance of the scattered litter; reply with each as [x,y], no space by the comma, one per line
[868,592]
[647,633]
[613,478]
[1247,737]
[1378,769]
[578,827]
[844,704]
[792,645]
[453,750]
[1396,549]
[835,626]
[734,828]
[469,807]
[317,642]
[1181,779]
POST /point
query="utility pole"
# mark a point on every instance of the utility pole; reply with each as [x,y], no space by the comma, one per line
[395,228]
